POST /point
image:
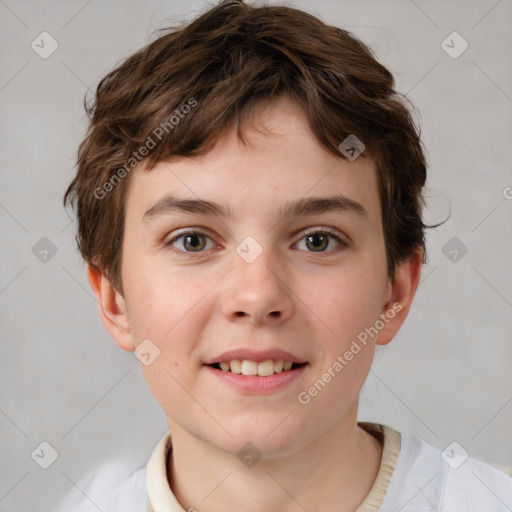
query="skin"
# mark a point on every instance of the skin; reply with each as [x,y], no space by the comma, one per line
[312,303]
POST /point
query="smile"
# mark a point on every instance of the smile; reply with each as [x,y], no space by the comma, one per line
[248,367]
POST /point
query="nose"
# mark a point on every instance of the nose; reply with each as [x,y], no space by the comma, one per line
[257,292]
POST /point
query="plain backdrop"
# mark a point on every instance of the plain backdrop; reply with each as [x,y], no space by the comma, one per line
[447,375]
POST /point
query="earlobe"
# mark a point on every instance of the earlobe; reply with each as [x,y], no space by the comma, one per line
[112,308]
[400,295]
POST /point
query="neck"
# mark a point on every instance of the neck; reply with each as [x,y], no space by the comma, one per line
[334,472]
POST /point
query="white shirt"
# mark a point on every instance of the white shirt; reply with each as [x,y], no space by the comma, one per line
[412,477]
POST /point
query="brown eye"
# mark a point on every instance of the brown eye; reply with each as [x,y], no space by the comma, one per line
[321,241]
[194,242]
[191,241]
[317,242]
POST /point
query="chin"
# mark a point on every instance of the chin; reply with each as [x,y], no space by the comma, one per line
[270,436]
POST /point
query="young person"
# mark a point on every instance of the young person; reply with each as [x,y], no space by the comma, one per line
[249,200]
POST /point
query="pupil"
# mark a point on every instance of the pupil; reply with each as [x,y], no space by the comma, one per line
[193,241]
[322,245]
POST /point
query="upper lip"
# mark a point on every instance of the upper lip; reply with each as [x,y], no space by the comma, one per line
[255,355]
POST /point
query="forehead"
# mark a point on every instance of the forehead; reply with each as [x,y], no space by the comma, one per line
[282,161]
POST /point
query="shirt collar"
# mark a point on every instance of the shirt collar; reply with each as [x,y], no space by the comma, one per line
[162,499]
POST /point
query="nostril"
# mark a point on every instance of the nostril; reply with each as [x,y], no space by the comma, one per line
[241,314]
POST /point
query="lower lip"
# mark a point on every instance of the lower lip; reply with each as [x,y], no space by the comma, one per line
[254,384]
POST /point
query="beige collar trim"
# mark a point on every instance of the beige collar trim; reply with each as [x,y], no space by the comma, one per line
[162,499]
[390,453]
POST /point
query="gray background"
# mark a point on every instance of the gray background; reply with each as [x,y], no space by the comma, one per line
[446,377]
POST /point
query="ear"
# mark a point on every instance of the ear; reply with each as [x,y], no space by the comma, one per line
[399,297]
[112,308]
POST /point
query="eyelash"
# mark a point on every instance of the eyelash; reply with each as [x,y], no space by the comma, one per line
[324,231]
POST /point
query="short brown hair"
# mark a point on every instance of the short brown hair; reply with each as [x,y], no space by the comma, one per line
[227,61]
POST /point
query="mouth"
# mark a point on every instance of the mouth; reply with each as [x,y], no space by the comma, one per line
[249,367]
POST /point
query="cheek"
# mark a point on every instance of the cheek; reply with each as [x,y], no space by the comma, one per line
[169,307]
[161,299]
[346,301]
[348,305]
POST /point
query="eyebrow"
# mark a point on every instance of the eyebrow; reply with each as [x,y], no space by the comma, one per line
[298,207]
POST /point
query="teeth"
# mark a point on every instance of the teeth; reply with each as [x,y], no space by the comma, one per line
[266,368]
[248,367]
[235,366]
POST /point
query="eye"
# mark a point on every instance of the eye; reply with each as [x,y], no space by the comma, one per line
[315,241]
[319,241]
[191,241]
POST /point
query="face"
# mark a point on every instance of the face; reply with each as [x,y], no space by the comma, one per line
[289,266]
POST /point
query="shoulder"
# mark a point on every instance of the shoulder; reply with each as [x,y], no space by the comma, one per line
[110,488]
[477,486]
[427,479]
